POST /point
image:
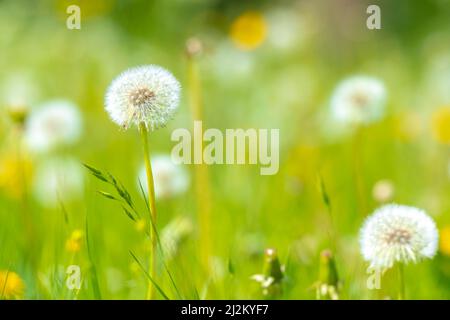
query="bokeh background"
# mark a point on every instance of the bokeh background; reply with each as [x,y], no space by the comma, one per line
[261,64]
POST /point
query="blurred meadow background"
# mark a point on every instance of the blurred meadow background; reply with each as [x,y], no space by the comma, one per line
[254,64]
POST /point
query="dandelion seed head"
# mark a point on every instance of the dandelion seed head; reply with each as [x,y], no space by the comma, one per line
[53,124]
[147,94]
[398,233]
[170,179]
[359,100]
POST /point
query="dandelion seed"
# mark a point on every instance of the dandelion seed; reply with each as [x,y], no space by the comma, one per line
[170,179]
[57,181]
[146,94]
[398,234]
[53,124]
[359,100]
[11,285]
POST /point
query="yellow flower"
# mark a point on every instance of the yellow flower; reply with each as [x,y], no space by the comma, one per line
[73,244]
[15,173]
[11,285]
[140,225]
[441,124]
[408,126]
[445,240]
[249,30]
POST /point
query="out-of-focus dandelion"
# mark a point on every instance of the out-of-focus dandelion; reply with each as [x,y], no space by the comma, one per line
[286,29]
[170,179]
[441,125]
[174,234]
[272,277]
[58,180]
[383,191]
[398,234]
[444,243]
[52,125]
[18,92]
[146,97]
[359,100]
[75,241]
[11,285]
[249,30]
[328,285]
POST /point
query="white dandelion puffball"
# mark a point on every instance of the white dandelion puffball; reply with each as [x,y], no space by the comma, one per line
[359,100]
[147,94]
[398,233]
[53,124]
[57,181]
[169,178]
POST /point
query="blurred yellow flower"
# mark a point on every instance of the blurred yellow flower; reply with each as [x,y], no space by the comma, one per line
[73,244]
[140,225]
[408,126]
[445,240]
[441,124]
[14,175]
[249,30]
[11,285]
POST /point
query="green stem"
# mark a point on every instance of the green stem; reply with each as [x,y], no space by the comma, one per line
[202,186]
[401,282]
[151,200]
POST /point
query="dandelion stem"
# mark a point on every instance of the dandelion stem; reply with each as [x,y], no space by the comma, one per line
[401,282]
[358,168]
[151,199]
[200,171]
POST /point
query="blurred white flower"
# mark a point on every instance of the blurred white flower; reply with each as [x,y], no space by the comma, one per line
[227,63]
[58,180]
[53,124]
[359,100]
[18,91]
[174,234]
[169,178]
[398,233]
[383,191]
[148,94]
[286,28]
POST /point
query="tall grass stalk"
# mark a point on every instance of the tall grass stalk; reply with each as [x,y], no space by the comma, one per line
[357,159]
[202,187]
[152,207]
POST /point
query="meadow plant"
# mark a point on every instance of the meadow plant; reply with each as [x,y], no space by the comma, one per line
[146,97]
[398,234]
